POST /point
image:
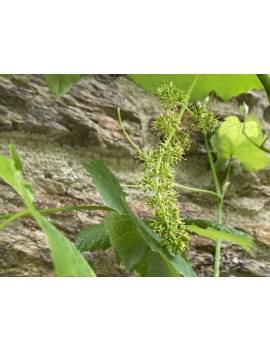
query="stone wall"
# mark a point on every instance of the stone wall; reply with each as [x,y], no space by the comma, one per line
[55,138]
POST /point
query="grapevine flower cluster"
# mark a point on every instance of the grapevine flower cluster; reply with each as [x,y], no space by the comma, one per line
[158,163]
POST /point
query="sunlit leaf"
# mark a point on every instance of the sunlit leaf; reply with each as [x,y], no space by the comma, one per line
[216,231]
[67,260]
[225,85]
[230,141]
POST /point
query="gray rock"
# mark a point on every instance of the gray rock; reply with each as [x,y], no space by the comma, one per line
[55,138]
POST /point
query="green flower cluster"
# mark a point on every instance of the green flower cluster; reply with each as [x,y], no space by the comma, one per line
[158,164]
[158,172]
[202,120]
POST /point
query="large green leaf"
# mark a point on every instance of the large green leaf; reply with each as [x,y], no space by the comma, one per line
[113,197]
[225,85]
[126,239]
[67,260]
[216,231]
[59,84]
[93,238]
[230,141]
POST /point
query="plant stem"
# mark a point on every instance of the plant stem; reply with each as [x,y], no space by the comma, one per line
[125,132]
[219,204]
[265,80]
[198,190]
[13,216]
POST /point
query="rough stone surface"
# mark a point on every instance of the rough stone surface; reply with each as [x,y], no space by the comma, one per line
[54,140]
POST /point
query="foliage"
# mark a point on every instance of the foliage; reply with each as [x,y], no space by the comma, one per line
[225,85]
[156,247]
[133,229]
[229,141]
[216,231]
[68,261]
[59,84]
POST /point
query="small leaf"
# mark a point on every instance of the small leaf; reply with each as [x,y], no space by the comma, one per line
[216,231]
[126,239]
[93,238]
[59,84]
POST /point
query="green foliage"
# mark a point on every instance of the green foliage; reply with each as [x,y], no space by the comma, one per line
[68,261]
[230,141]
[59,84]
[216,231]
[93,238]
[113,197]
[225,85]
[108,186]
[126,239]
[153,265]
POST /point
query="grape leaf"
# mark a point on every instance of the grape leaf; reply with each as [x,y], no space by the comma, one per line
[225,85]
[59,84]
[230,141]
[93,238]
[216,231]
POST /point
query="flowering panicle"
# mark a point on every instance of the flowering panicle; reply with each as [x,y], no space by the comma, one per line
[158,164]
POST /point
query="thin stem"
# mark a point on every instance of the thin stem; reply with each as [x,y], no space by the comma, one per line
[212,166]
[262,147]
[265,140]
[265,80]
[219,204]
[13,216]
[125,132]
[196,189]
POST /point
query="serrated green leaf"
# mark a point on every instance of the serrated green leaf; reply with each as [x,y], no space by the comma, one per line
[108,186]
[225,85]
[230,141]
[67,260]
[113,197]
[126,239]
[93,238]
[59,84]
[216,231]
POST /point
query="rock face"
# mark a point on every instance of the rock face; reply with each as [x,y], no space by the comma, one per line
[56,138]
